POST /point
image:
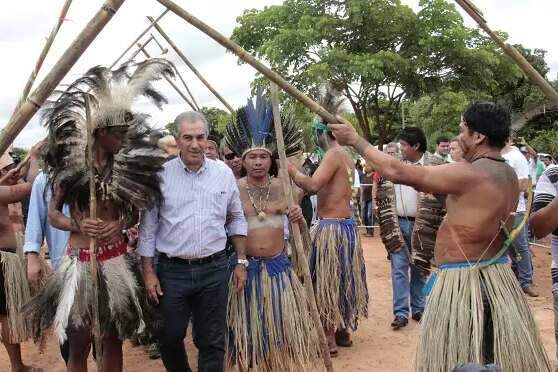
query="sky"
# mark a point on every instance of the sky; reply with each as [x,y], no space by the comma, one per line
[25,25]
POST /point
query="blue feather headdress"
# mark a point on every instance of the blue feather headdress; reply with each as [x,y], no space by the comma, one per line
[252,129]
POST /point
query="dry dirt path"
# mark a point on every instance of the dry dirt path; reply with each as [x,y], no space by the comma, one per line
[376,346]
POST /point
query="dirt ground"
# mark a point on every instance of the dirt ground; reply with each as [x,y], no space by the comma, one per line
[376,346]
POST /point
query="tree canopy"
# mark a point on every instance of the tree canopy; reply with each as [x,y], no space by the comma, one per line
[381,54]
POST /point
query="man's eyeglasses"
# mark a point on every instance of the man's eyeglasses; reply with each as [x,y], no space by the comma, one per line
[230,156]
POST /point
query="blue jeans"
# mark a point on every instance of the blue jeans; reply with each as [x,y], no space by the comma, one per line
[199,291]
[401,268]
[523,267]
[368,216]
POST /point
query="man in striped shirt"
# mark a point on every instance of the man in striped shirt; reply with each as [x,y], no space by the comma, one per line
[545,221]
[189,230]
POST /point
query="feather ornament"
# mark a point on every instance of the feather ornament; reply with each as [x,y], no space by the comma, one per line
[252,128]
[134,183]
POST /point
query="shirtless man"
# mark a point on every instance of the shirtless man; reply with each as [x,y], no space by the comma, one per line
[341,292]
[294,345]
[13,192]
[125,162]
[107,229]
[474,283]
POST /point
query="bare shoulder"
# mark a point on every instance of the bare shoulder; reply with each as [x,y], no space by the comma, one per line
[276,187]
[456,168]
[241,182]
[340,157]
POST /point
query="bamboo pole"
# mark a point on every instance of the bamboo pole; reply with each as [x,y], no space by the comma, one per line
[187,90]
[246,57]
[165,50]
[93,241]
[43,54]
[138,51]
[137,39]
[189,64]
[531,73]
[288,192]
[145,53]
[22,116]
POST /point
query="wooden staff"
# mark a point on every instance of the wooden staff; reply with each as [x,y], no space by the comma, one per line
[287,189]
[164,50]
[187,90]
[246,57]
[532,74]
[189,64]
[145,53]
[32,104]
[135,54]
[93,241]
[43,54]
[136,40]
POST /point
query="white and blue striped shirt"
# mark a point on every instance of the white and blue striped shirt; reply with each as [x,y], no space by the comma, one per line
[38,229]
[199,209]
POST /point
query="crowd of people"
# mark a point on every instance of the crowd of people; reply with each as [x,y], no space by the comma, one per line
[195,229]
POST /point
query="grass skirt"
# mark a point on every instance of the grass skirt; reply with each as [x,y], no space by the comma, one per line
[269,323]
[16,294]
[338,273]
[66,299]
[452,327]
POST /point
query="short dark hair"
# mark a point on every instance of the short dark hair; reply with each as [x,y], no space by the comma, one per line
[490,119]
[442,139]
[413,136]
[548,157]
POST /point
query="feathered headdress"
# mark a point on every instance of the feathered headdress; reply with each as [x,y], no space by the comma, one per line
[252,129]
[132,183]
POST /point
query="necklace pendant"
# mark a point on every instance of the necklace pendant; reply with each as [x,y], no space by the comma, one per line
[261,216]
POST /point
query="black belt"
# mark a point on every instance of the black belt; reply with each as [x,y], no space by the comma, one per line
[196,261]
[407,218]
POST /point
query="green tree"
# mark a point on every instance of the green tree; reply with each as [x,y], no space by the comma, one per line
[438,114]
[377,52]
[216,117]
[170,129]
[542,132]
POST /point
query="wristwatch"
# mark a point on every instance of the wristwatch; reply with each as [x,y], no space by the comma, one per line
[242,261]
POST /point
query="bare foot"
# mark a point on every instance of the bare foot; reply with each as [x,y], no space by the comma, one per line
[30,369]
[343,338]
[331,344]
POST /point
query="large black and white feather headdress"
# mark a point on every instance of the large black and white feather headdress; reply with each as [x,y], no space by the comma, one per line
[111,94]
[252,128]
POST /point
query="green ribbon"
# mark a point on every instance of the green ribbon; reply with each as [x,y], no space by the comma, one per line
[510,236]
[319,126]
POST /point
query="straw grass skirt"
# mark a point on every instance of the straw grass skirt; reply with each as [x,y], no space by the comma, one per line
[338,273]
[269,323]
[66,300]
[454,325]
[15,295]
